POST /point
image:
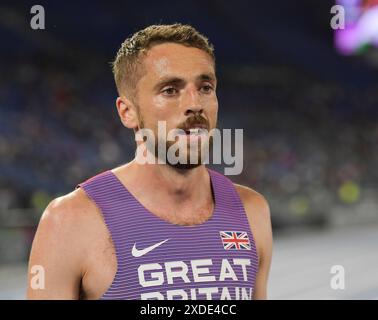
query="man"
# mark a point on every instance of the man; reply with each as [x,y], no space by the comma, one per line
[158,231]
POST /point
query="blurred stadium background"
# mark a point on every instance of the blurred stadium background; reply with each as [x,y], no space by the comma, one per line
[308,110]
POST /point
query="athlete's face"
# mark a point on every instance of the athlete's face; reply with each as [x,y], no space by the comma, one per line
[178,87]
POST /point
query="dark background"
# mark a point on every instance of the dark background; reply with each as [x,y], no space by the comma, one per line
[309,114]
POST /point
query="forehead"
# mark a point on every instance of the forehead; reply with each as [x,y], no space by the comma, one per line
[172,58]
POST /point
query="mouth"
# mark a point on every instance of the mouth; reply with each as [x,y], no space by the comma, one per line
[197,129]
[195,132]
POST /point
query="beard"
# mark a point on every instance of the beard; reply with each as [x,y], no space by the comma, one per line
[181,153]
[192,155]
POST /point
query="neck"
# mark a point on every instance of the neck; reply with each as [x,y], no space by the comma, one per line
[178,184]
[181,195]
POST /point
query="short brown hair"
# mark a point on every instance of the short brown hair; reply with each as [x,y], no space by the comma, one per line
[125,65]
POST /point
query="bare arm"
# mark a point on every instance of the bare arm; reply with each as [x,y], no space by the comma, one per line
[258,212]
[55,265]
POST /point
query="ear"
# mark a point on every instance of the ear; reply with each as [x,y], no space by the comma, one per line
[127,112]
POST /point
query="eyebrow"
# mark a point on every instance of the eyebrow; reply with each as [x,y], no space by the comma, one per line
[172,80]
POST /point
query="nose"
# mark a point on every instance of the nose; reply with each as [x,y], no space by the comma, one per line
[193,110]
[192,102]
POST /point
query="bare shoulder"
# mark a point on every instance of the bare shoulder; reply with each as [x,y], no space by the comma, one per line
[66,220]
[258,212]
[254,202]
[69,211]
[72,218]
[75,204]
[65,237]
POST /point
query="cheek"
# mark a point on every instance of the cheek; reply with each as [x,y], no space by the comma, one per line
[154,108]
[159,109]
[162,107]
[216,104]
[211,101]
[213,113]
[158,102]
[214,107]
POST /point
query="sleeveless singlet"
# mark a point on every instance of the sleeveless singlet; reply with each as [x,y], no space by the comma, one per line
[156,259]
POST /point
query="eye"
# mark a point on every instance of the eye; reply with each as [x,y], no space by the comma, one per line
[207,88]
[169,91]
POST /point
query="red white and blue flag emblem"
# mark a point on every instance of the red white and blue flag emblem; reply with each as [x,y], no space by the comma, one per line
[235,240]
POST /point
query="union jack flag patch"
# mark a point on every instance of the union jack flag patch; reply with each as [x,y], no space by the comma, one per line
[235,240]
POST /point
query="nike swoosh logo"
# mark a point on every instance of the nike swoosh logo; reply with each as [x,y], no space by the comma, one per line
[138,253]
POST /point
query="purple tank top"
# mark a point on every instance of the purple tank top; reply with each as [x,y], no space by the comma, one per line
[215,260]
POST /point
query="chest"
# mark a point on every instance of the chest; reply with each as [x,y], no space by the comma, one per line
[102,262]
[208,261]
